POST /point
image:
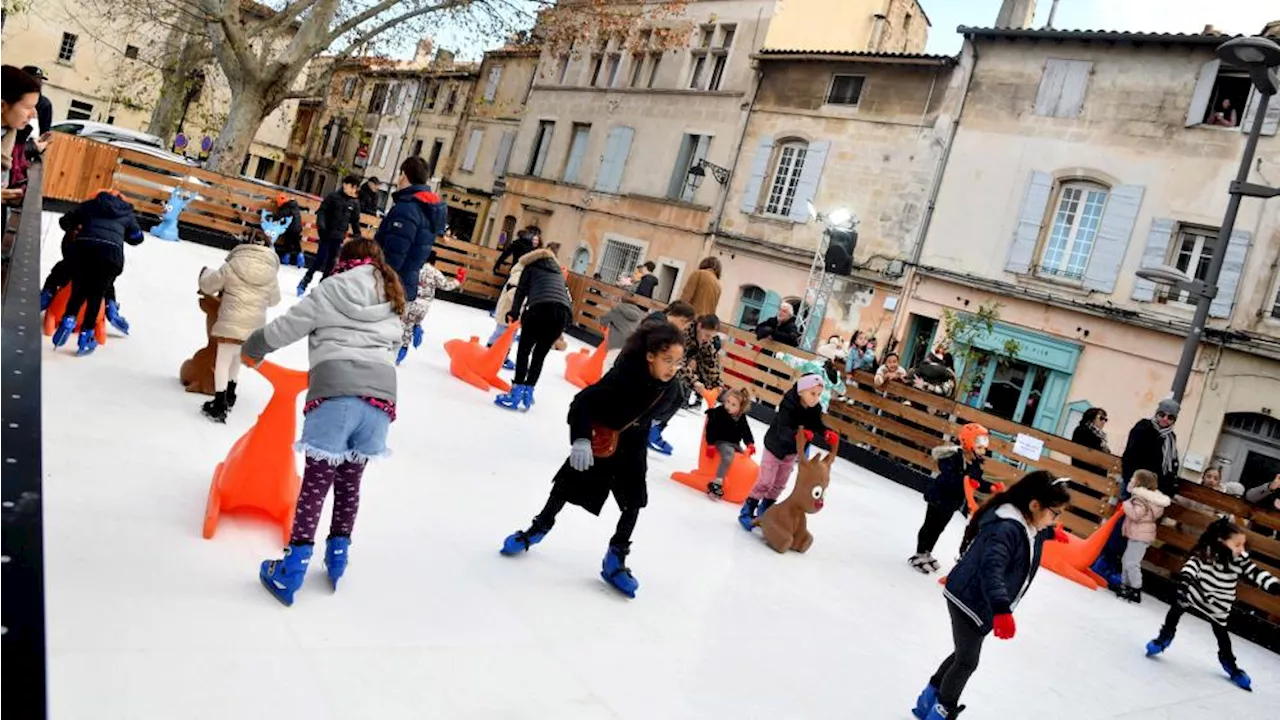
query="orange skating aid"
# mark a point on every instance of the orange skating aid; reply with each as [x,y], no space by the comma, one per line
[737,484]
[58,308]
[475,364]
[1073,558]
[260,473]
[586,367]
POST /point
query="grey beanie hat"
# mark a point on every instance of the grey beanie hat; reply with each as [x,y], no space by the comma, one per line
[1169,407]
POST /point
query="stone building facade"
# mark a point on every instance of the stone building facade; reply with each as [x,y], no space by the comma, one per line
[874,26]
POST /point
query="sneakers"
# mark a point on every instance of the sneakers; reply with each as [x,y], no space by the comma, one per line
[521,540]
[335,557]
[63,332]
[216,409]
[656,442]
[748,513]
[283,577]
[615,571]
[86,343]
[928,698]
[1131,594]
[115,318]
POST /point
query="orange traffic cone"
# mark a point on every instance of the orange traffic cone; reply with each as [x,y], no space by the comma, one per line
[260,473]
[477,365]
[58,308]
[1074,558]
[737,484]
[585,368]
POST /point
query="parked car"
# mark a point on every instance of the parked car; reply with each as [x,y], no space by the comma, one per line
[107,133]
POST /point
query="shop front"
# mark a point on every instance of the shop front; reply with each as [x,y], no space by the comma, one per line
[1030,387]
[468,213]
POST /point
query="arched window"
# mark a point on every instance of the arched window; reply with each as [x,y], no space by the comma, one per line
[788,165]
[1074,228]
[750,306]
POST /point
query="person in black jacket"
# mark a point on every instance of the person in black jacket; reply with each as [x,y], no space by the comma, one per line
[525,241]
[1089,433]
[781,329]
[44,108]
[409,231]
[647,281]
[289,244]
[727,427]
[1001,553]
[800,408]
[370,193]
[607,426]
[542,305]
[957,464]
[102,226]
[337,213]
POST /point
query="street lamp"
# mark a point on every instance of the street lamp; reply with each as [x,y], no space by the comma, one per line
[1260,57]
[698,173]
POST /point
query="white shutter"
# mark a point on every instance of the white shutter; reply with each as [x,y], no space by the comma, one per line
[473,150]
[1272,119]
[577,149]
[616,148]
[1204,89]
[1051,82]
[759,167]
[1074,85]
[1112,241]
[810,174]
[504,153]
[1026,234]
[1229,277]
[491,89]
[1153,253]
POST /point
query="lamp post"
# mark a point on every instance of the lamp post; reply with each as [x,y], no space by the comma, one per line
[1260,57]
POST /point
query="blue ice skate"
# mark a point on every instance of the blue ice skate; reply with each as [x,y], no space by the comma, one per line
[521,540]
[86,343]
[748,513]
[510,400]
[508,365]
[335,557]
[115,318]
[656,443]
[63,333]
[302,289]
[402,353]
[928,698]
[417,336]
[526,396]
[46,299]
[1157,646]
[1238,676]
[616,573]
[283,577]
[941,712]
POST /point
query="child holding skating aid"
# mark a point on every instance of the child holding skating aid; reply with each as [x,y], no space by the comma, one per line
[1000,555]
[1142,513]
[800,407]
[1207,587]
[352,325]
[957,464]
[248,285]
[429,280]
[608,426]
[727,428]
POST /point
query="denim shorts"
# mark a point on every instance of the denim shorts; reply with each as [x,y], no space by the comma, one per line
[344,429]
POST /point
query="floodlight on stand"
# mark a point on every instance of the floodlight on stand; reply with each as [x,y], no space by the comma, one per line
[839,216]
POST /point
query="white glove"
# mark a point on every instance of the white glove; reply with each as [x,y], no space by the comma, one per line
[580,457]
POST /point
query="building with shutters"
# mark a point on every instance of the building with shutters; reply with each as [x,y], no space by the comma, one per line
[1081,156]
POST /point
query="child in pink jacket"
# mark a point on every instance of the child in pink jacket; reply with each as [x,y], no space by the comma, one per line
[1142,513]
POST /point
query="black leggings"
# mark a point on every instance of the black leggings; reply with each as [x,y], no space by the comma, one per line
[935,521]
[954,672]
[621,537]
[91,277]
[540,327]
[1220,633]
[60,275]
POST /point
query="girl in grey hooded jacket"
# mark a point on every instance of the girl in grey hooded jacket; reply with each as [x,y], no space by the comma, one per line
[352,325]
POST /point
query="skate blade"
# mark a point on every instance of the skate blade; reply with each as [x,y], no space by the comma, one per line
[271,588]
[609,582]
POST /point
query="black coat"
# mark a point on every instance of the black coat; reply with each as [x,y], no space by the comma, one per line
[291,239]
[515,250]
[625,397]
[787,333]
[996,569]
[647,285]
[1145,451]
[790,417]
[336,214]
[105,223]
[368,198]
[1082,435]
[947,489]
[723,427]
[408,232]
[541,282]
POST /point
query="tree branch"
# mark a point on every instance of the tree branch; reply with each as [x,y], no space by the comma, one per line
[236,41]
[283,18]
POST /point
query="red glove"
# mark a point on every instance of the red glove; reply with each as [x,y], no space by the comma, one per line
[711,452]
[1004,626]
[832,437]
[808,436]
[751,449]
[973,484]
[1060,535]
[997,487]
[461,275]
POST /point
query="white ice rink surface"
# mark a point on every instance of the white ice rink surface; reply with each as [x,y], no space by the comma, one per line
[148,620]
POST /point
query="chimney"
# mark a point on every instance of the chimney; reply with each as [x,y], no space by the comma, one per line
[444,57]
[422,53]
[1016,14]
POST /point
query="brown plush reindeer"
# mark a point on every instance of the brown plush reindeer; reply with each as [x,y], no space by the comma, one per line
[784,525]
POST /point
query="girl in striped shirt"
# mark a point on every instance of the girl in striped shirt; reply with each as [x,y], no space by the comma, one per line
[1207,586]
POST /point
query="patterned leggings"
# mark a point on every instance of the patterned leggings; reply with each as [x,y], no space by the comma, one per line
[316,480]
[773,477]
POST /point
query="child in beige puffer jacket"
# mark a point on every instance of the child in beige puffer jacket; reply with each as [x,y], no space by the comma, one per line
[1142,513]
[248,286]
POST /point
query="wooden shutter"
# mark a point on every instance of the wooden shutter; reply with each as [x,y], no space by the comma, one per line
[504,153]
[772,301]
[1112,241]
[1153,253]
[616,148]
[1229,277]
[1051,83]
[1204,90]
[759,168]
[1026,234]
[687,191]
[1074,85]
[473,150]
[810,174]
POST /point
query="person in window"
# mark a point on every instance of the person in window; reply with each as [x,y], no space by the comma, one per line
[781,329]
[1089,433]
[370,192]
[1225,115]
[646,282]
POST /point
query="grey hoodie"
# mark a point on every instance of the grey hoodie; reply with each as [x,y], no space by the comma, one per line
[353,336]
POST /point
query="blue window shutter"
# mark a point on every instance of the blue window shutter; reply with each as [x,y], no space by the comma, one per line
[810,174]
[1026,234]
[1229,278]
[616,148]
[1153,254]
[759,167]
[1112,240]
[772,301]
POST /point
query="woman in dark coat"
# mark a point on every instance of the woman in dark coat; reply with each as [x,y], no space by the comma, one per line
[1089,433]
[623,402]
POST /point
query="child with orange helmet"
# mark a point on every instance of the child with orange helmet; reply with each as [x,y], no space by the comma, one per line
[957,464]
[289,245]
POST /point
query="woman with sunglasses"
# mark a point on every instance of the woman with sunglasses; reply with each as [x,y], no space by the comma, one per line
[1091,434]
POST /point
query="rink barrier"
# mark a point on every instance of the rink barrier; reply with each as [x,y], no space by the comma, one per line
[22,538]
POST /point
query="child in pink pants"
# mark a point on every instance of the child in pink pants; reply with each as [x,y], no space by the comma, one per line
[800,408]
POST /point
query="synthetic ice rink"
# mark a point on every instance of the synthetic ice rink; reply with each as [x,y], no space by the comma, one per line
[146,619]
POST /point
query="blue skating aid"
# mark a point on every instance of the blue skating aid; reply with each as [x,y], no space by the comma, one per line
[282,578]
[526,396]
[508,365]
[335,557]
[616,573]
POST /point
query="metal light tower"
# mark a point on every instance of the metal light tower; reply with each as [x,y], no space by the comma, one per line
[822,274]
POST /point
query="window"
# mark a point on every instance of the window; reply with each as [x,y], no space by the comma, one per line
[450,100]
[654,60]
[378,98]
[80,110]
[431,94]
[577,149]
[692,149]
[619,257]
[614,160]
[380,151]
[637,69]
[541,143]
[349,88]
[1220,97]
[751,304]
[699,56]
[845,90]
[394,99]
[1191,253]
[473,150]
[699,65]
[417,149]
[562,68]
[720,56]
[131,52]
[1062,88]
[67,50]
[1275,304]
[612,63]
[491,87]
[597,63]
[786,177]
[1073,230]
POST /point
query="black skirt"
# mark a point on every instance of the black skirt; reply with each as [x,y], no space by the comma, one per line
[622,474]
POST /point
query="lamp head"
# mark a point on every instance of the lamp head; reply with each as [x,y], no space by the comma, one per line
[1163,275]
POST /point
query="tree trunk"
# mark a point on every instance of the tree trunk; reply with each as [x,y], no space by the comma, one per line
[248,108]
[182,59]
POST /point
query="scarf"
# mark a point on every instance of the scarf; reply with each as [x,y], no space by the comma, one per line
[1102,437]
[345,265]
[1170,448]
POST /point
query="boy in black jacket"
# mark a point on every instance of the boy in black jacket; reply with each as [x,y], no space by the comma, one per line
[338,212]
[102,226]
[726,428]
[289,246]
[957,464]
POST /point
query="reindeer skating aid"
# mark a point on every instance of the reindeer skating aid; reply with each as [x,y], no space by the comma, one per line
[785,525]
